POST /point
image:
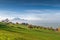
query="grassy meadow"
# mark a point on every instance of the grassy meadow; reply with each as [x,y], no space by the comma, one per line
[10,31]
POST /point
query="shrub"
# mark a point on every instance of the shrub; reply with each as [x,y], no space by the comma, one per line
[56,29]
[30,26]
[37,27]
[17,23]
[45,28]
[41,27]
[34,26]
[24,23]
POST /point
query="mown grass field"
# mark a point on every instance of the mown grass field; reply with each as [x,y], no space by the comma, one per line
[22,32]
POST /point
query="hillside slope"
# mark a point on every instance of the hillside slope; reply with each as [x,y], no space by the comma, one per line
[10,31]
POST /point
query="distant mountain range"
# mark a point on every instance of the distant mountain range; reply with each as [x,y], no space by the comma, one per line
[15,19]
[19,20]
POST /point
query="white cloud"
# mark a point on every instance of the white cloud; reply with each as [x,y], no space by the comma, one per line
[50,15]
[41,15]
[6,14]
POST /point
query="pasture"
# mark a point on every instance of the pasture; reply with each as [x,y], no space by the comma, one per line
[10,31]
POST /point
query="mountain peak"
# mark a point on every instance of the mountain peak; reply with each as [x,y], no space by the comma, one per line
[16,18]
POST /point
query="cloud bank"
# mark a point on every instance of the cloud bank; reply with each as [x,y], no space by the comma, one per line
[38,15]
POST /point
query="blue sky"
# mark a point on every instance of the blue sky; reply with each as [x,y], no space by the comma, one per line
[42,10]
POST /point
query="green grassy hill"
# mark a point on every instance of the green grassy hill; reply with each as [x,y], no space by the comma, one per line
[10,31]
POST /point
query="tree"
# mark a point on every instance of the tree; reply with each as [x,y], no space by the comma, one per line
[6,20]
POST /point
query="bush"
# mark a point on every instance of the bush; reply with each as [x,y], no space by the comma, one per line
[17,23]
[30,26]
[24,23]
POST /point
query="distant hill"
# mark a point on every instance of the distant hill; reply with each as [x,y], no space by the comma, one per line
[18,20]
